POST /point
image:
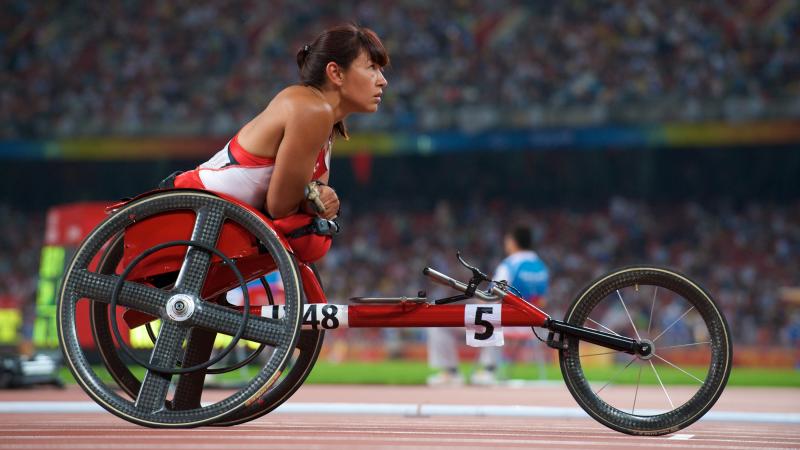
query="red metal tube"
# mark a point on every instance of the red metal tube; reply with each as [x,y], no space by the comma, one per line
[411,314]
[427,315]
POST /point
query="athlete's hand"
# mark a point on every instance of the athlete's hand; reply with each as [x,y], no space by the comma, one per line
[330,201]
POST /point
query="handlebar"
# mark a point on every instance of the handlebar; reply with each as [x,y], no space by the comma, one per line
[495,294]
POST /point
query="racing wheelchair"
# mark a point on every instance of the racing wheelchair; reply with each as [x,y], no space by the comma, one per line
[172,255]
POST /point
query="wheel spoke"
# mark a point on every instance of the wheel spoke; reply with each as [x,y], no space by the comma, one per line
[636,393]
[99,287]
[629,315]
[207,228]
[685,345]
[226,321]
[190,385]
[166,353]
[616,375]
[652,308]
[673,323]
[662,384]
[673,365]
[602,326]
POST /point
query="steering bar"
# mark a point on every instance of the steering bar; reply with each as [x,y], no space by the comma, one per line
[493,295]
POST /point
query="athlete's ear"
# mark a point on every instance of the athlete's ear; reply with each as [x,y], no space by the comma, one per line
[335,73]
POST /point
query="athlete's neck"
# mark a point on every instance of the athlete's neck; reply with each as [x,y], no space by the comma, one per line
[333,98]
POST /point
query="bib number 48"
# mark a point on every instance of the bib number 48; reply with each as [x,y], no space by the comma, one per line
[321,316]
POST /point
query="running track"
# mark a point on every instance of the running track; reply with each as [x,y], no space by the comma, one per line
[379,417]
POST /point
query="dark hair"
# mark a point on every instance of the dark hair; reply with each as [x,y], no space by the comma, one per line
[521,235]
[340,44]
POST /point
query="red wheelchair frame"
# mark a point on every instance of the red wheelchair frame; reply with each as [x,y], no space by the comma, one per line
[144,259]
[236,244]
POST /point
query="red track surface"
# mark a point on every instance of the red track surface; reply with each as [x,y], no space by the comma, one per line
[311,431]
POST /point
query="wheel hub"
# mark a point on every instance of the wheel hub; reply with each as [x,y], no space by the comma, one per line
[646,349]
[180,307]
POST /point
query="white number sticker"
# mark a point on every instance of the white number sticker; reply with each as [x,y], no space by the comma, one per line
[483,325]
[315,316]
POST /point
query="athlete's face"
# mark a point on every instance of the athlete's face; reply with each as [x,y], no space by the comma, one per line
[363,83]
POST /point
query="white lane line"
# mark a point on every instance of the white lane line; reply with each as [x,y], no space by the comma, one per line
[503,410]
[680,437]
[413,410]
[275,430]
[260,446]
[50,407]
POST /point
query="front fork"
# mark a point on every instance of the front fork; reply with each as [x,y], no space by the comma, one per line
[608,340]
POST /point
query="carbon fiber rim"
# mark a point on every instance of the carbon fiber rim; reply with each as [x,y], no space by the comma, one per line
[308,348]
[302,362]
[151,406]
[662,393]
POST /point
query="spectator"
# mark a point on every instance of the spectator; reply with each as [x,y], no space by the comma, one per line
[190,68]
[523,270]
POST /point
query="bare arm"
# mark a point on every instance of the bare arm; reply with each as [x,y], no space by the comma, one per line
[308,126]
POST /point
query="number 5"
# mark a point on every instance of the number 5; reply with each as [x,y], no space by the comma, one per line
[487,333]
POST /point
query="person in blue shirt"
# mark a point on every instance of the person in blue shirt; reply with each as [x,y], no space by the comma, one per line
[524,270]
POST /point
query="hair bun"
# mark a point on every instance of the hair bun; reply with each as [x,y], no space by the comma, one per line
[302,55]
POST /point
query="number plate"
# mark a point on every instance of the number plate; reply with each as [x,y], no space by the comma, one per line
[316,316]
[483,325]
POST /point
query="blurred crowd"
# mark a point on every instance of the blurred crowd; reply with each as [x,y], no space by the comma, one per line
[21,237]
[741,256]
[128,67]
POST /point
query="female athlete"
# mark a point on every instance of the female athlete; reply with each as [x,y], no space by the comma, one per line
[279,162]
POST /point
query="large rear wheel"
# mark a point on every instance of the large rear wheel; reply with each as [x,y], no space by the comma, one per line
[169,393]
[302,361]
[305,355]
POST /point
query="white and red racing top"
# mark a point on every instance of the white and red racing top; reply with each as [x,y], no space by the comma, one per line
[236,172]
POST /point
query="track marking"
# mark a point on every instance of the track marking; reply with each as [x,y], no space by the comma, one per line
[680,437]
[410,436]
[349,441]
[414,410]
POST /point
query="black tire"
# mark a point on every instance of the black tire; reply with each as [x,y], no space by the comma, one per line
[306,353]
[308,347]
[702,322]
[152,408]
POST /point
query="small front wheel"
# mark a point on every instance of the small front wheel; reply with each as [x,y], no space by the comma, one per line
[666,390]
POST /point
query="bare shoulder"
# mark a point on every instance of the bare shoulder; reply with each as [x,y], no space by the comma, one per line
[296,111]
[302,103]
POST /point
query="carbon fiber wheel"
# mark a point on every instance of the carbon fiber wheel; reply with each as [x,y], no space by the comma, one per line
[159,400]
[305,355]
[662,392]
